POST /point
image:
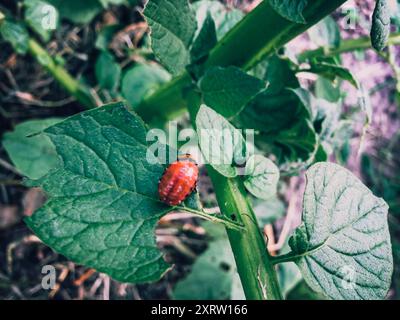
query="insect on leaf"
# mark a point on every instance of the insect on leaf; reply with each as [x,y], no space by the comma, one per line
[103,203]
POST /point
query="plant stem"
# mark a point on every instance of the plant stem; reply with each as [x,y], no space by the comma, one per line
[69,83]
[258,35]
[256,271]
[253,261]
[346,46]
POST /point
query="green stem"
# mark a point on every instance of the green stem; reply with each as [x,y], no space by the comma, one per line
[69,83]
[253,262]
[258,35]
[345,46]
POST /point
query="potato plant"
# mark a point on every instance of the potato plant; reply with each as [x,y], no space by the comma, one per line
[229,72]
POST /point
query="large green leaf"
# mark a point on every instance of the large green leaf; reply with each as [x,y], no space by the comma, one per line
[16,34]
[141,80]
[103,206]
[32,156]
[228,90]
[221,144]
[380,30]
[343,245]
[290,9]
[283,122]
[172,25]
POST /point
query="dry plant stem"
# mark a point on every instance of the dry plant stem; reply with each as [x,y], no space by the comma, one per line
[291,215]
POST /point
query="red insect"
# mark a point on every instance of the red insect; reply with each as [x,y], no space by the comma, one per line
[178,181]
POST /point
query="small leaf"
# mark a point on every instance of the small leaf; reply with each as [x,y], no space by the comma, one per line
[205,40]
[77,11]
[380,30]
[331,71]
[32,156]
[290,9]
[103,207]
[172,25]
[228,90]
[344,245]
[42,17]
[221,144]
[262,177]
[141,80]
[108,71]
[16,34]
[325,89]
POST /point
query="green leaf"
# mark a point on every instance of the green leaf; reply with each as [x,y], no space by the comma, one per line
[325,89]
[221,144]
[172,25]
[103,202]
[142,80]
[228,90]
[108,71]
[205,40]
[326,33]
[283,122]
[344,245]
[331,71]
[280,75]
[32,156]
[42,17]
[224,18]
[380,30]
[16,34]
[290,9]
[77,11]
[261,177]
[212,274]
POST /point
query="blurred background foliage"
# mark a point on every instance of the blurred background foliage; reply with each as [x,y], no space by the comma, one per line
[343,105]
